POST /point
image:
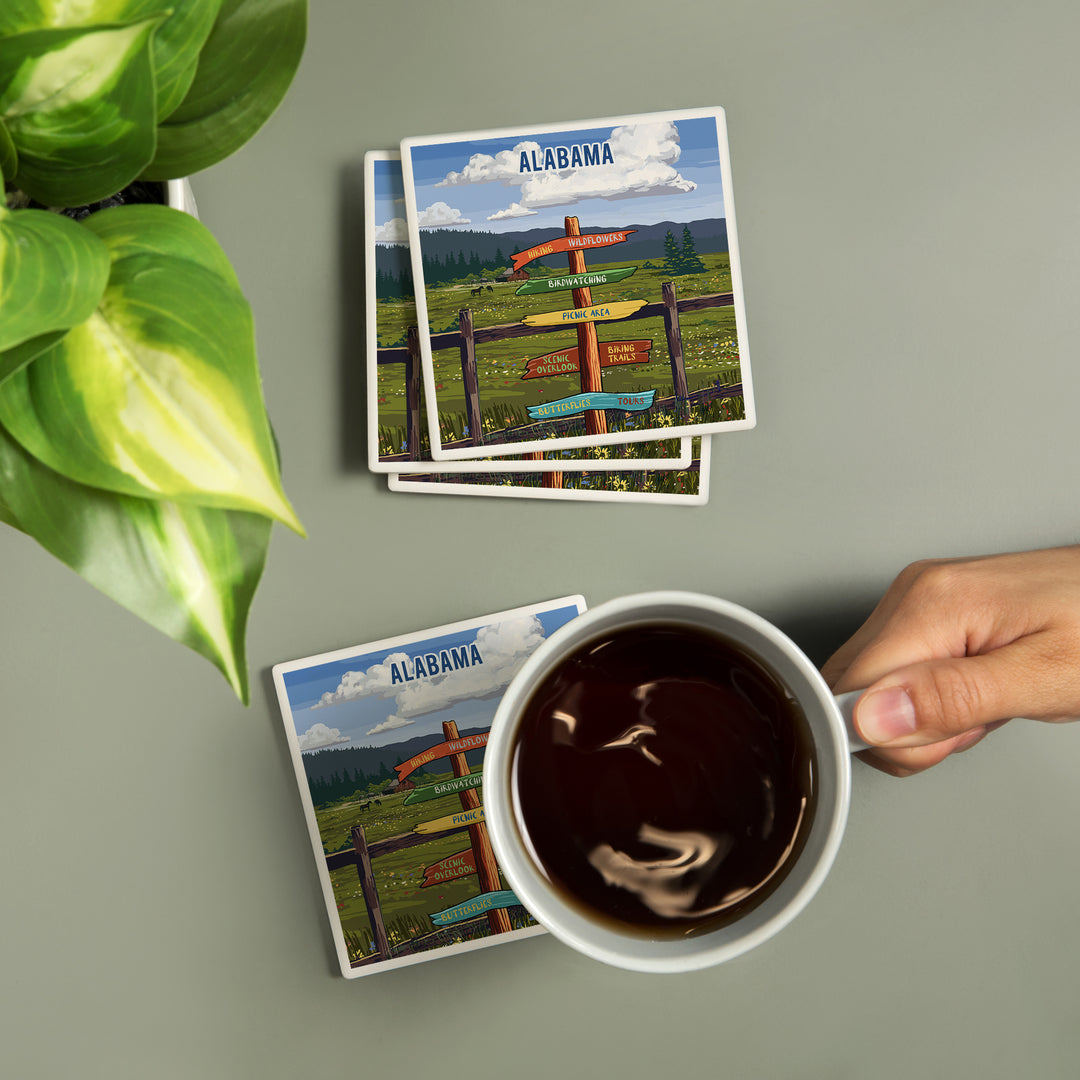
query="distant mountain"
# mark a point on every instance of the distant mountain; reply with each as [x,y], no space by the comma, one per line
[710,238]
[322,764]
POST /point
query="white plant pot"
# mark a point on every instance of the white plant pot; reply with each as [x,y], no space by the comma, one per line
[178,194]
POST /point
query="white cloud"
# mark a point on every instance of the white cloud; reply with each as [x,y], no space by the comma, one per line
[394,231]
[503,646]
[375,682]
[514,210]
[439,214]
[483,168]
[635,144]
[644,164]
[604,182]
[319,735]
[389,724]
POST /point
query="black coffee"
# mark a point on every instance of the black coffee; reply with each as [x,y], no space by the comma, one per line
[664,779]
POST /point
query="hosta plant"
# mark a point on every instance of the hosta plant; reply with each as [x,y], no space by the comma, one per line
[134,441]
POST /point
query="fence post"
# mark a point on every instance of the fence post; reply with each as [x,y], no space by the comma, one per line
[674,340]
[371,895]
[487,869]
[468,376]
[412,394]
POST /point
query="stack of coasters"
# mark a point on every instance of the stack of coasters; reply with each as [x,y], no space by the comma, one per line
[556,312]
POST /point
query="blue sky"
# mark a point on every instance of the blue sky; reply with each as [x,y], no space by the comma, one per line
[666,170]
[352,702]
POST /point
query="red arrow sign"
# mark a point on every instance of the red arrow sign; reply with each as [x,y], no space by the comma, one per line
[565,362]
[440,750]
[569,243]
[453,866]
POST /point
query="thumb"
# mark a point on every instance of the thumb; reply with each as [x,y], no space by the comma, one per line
[939,699]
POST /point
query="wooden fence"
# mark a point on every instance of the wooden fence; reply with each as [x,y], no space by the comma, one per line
[497,920]
[466,338]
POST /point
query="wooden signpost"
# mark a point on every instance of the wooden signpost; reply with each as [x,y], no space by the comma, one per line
[472,815]
[590,356]
[588,347]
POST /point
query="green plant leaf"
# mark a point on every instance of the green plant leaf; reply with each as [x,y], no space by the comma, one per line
[157,394]
[53,272]
[9,158]
[79,106]
[7,515]
[17,357]
[189,571]
[176,44]
[148,229]
[245,68]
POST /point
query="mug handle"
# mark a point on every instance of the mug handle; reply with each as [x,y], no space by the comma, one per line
[846,704]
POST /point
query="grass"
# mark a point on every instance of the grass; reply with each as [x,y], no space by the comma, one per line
[406,906]
[710,345]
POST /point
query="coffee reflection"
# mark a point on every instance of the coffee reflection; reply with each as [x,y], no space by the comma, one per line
[663,779]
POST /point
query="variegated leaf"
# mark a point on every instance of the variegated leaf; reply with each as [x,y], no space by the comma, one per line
[157,394]
[245,68]
[148,229]
[79,106]
[9,157]
[18,356]
[189,571]
[176,44]
[52,274]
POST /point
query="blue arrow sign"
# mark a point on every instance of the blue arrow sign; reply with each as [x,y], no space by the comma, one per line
[477,906]
[601,399]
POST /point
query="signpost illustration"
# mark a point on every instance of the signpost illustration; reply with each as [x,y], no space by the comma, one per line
[565,362]
[478,858]
[591,355]
[493,899]
[584,315]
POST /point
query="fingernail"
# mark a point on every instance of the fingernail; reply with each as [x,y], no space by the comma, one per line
[886,715]
[969,739]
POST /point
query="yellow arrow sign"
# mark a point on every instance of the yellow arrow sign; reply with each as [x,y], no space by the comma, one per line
[596,313]
[453,821]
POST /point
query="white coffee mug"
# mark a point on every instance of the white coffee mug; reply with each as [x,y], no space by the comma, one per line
[829,720]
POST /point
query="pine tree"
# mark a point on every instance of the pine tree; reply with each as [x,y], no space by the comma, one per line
[691,261]
[672,255]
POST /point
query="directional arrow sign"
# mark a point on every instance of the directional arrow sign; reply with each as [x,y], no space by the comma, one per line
[600,399]
[444,787]
[445,749]
[451,821]
[477,906]
[453,866]
[559,244]
[574,316]
[575,281]
[565,362]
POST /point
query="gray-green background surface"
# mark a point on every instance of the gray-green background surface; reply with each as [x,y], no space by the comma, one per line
[905,177]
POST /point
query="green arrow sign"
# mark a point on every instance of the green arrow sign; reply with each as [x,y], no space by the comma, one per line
[575,281]
[445,787]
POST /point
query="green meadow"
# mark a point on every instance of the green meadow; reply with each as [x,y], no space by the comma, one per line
[710,345]
[406,907]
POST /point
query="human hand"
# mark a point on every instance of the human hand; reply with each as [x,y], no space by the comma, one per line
[956,648]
